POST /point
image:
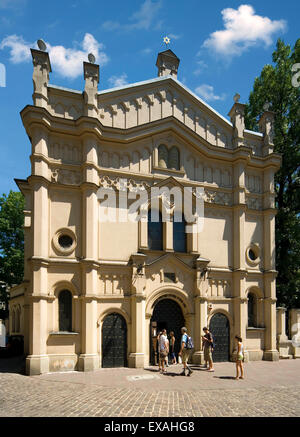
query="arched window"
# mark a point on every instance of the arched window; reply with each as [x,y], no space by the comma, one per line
[155,232]
[179,234]
[173,162]
[65,310]
[13,321]
[18,316]
[162,156]
[251,310]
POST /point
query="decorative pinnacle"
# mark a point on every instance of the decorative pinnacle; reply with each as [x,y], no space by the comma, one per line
[236,98]
[91,58]
[41,45]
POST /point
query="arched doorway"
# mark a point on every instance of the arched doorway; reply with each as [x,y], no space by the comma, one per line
[114,341]
[167,314]
[220,329]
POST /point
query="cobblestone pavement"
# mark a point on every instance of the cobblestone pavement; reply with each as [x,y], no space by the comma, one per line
[270,389]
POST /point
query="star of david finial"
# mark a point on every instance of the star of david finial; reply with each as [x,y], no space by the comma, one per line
[167,41]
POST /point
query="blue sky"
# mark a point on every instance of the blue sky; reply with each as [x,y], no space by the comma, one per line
[222,45]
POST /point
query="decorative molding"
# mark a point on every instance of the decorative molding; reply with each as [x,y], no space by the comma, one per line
[66,177]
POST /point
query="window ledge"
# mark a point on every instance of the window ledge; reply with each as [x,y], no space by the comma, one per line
[169,170]
[252,328]
[63,333]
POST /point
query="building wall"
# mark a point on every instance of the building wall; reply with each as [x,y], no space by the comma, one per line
[82,142]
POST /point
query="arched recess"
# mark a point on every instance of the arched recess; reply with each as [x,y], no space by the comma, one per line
[220,325]
[254,307]
[18,318]
[167,314]
[100,321]
[163,156]
[114,340]
[55,291]
[65,311]
[174,158]
[169,292]
[13,320]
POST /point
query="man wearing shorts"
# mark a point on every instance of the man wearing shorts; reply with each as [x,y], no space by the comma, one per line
[184,352]
[208,348]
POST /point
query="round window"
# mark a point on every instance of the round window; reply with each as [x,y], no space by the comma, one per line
[253,254]
[65,241]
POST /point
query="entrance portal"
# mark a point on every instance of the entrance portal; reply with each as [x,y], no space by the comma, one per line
[219,327]
[167,314]
[114,341]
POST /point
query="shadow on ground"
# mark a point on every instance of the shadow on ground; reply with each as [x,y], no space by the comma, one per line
[224,377]
[13,365]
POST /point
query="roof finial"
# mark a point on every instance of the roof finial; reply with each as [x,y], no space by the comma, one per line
[167,41]
[236,98]
[41,45]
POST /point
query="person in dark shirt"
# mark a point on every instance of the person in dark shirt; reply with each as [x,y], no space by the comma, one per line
[207,342]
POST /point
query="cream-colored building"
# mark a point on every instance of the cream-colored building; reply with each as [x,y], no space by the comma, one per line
[96,293]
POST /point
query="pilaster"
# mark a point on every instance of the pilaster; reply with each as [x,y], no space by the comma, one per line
[91,77]
[41,70]
[89,358]
[37,361]
[270,353]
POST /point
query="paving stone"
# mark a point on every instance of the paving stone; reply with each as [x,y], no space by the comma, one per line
[270,389]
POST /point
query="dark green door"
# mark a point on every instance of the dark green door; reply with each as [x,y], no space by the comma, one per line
[219,327]
[114,341]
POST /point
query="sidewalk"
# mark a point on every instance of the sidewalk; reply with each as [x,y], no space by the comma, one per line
[257,374]
[270,389]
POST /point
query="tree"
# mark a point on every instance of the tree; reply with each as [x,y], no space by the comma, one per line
[274,86]
[11,241]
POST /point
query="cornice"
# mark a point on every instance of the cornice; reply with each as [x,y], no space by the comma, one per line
[37,117]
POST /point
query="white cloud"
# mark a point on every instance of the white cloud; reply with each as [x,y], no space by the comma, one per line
[19,48]
[67,62]
[174,36]
[146,51]
[207,93]
[242,29]
[201,65]
[142,19]
[118,81]
[111,25]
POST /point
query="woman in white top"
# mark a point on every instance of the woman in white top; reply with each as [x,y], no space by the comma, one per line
[239,357]
[163,347]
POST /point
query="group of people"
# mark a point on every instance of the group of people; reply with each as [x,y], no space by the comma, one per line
[166,347]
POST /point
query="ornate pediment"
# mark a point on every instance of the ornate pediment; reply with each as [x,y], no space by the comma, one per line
[146,102]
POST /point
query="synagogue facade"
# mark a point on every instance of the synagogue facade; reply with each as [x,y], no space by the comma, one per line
[96,293]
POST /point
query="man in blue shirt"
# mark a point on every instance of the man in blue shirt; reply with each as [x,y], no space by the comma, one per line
[184,352]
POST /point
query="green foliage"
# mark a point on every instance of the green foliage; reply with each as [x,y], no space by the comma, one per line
[274,85]
[11,241]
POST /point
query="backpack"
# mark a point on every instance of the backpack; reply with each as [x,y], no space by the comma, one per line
[189,343]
